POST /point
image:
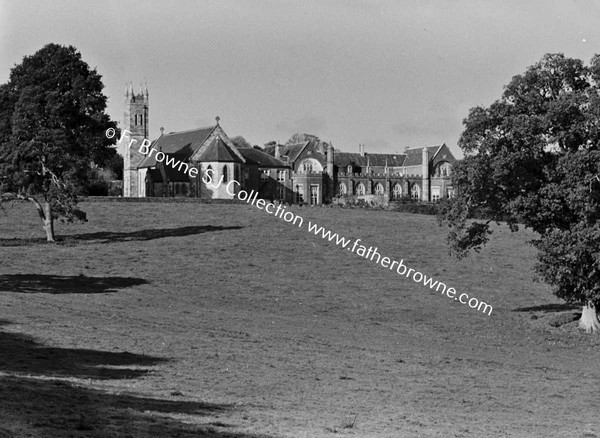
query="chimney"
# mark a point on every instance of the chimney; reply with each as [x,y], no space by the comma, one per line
[277,154]
[162,131]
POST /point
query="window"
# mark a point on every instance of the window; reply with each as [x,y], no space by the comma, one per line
[141,120]
[435,194]
[135,123]
[299,194]
[343,189]
[281,193]
[415,192]
[442,170]
[314,194]
[209,174]
[379,190]
[225,173]
[265,174]
[397,191]
[310,165]
[360,189]
[281,176]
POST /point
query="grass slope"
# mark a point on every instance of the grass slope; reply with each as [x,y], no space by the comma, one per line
[221,320]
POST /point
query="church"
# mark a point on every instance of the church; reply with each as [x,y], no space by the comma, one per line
[309,172]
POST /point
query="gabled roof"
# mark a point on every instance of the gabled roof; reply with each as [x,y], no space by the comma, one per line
[343,159]
[260,158]
[414,157]
[218,150]
[293,150]
[180,144]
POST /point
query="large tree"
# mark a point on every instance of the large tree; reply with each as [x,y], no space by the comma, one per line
[533,158]
[299,138]
[240,142]
[52,128]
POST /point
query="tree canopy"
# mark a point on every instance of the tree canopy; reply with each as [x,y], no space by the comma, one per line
[299,138]
[52,127]
[240,142]
[532,158]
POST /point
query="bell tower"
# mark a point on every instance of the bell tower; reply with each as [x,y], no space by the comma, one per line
[135,120]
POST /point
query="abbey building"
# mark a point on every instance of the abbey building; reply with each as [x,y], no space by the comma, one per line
[310,172]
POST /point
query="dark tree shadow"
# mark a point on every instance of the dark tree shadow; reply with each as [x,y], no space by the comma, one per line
[65,284]
[549,308]
[49,408]
[114,236]
[34,403]
[149,234]
[23,354]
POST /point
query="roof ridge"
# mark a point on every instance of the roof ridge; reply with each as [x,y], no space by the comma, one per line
[189,130]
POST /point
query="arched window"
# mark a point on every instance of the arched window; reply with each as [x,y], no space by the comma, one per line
[225,173]
[141,120]
[397,191]
[442,170]
[343,189]
[415,192]
[360,189]
[209,174]
[135,123]
[379,190]
[310,165]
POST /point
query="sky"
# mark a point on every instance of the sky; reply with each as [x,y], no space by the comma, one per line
[388,74]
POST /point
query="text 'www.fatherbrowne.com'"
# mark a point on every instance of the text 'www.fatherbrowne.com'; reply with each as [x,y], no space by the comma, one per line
[235,190]
[403,270]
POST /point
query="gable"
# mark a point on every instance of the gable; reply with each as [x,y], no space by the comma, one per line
[310,150]
[217,132]
[443,154]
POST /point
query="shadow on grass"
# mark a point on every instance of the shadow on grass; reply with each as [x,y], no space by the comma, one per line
[114,236]
[150,234]
[23,354]
[549,308]
[32,403]
[34,407]
[63,284]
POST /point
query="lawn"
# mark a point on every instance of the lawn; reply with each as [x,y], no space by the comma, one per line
[223,321]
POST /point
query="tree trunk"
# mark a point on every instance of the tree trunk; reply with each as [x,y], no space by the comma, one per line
[589,319]
[45,213]
[48,222]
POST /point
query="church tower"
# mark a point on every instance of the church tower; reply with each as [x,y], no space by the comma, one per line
[135,120]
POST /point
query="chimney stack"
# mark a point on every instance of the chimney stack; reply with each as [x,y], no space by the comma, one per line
[277,153]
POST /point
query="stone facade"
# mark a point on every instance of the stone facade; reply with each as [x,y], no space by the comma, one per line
[135,119]
[310,172]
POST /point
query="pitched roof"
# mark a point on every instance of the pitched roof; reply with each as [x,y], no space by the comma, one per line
[260,158]
[343,159]
[218,150]
[180,144]
[293,150]
[414,157]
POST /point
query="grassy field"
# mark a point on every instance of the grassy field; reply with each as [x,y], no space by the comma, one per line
[183,320]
